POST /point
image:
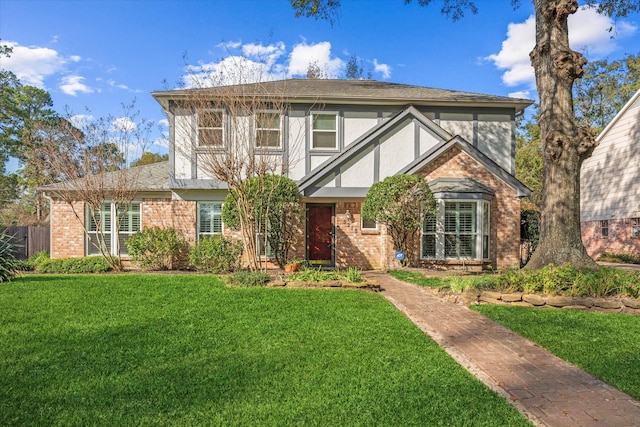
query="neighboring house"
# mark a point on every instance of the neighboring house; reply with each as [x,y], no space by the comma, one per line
[610,186]
[336,138]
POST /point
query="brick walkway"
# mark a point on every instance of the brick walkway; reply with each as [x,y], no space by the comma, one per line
[549,391]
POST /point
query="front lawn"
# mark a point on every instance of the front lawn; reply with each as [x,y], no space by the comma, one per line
[607,345]
[186,350]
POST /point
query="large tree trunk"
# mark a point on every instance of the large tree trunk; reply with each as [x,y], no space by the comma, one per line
[565,146]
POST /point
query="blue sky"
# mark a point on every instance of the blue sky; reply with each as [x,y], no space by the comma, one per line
[97,55]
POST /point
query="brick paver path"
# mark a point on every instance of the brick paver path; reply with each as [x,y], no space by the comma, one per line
[549,391]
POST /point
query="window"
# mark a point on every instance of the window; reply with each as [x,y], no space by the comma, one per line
[368,224]
[459,229]
[604,228]
[210,128]
[324,131]
[112,236]
[263,247]
[429,236]
[635,227]
[268,129]
[209,219]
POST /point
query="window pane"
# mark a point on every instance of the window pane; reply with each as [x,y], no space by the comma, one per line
[268,138]
[209,218]
[210,119]
[369,224]
[209,136]
[429,224]
[268,121]
[324,122]
[324,140]
[428,246]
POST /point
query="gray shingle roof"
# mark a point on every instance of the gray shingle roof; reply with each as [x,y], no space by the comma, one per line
[354,91]
[153,177]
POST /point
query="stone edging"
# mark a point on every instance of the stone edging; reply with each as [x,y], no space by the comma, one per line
[608,305]
[369,284]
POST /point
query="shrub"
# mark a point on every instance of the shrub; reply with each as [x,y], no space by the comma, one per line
[216,255]
[8,261]
[34,260]
[90,264]
[249,279]
[155,248]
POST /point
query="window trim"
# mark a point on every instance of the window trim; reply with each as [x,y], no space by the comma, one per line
[336,131]
[114,248]
[482,207]
[223,128]
[199,235]
[256,129]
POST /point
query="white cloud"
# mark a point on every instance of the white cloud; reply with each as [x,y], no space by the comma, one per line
[123,124]
[304,54]
[588,33]
[72,85]
[521,94]
[32,65]
[383,69]
[112,83]
[230,70]
[81,121]
[75,58]
[163,123]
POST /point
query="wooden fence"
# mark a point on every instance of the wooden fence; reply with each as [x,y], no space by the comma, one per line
[28,240]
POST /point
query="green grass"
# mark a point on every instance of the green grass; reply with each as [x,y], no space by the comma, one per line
[186,350]
[607,345]
[418,278]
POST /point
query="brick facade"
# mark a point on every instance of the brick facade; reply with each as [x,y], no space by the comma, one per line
[505,207]
[67,231]
[620,239]
[354,247]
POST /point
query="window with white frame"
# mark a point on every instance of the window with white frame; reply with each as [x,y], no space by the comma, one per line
[635,227]
[368,224]
[267,127]
[210,128]
[457,230]
[209,219]
[324,131]
[604,228]
[103,231]
[263,247]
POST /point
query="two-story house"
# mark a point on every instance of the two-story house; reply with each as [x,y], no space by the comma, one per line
[336,138]
[610,186]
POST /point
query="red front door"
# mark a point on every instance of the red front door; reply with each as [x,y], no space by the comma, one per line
[320,234]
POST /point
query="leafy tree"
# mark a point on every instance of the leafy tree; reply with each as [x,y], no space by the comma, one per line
[399,202]
[565,144]
[275,212]
[149,158]
[604,89]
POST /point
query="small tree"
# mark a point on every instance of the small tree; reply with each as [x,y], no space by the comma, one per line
[275,211]
[399,202]
[86,160]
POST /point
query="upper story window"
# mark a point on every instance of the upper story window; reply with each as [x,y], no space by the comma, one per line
[211,128]
[324,131]
[209,219]
[268,125]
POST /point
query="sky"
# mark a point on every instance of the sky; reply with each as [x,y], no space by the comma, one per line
[95,56]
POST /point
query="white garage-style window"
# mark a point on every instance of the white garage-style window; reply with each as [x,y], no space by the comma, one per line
[110,226]
[460,229]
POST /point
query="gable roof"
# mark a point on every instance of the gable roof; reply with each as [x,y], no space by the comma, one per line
[346,91]
[152,177]
[363,141]
[474,153]
[632,103]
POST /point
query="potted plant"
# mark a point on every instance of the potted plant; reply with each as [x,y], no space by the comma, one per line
[293,265]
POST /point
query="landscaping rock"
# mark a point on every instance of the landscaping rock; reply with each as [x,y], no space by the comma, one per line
[534,299]
[297,284]
[484,298]
[356,285]
[491,295]
[608,304]
[522,304]
[511,297]
[276,284]
[574,307]
[559,301]
[631,302]
[469,297]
